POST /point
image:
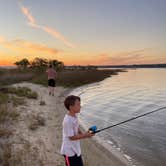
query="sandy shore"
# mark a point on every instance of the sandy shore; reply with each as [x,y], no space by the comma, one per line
[40,147]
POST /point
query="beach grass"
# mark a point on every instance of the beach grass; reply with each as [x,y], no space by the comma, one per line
[5,132]
[66,78]
[22,92]
[3,98]
[11,76]
[17,101]
[36,121]
[75,78]
[6,115]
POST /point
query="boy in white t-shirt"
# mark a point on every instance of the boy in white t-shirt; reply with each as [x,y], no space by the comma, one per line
[72,134]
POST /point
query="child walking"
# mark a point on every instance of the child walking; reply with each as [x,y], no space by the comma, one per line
[51,73]
[72,134]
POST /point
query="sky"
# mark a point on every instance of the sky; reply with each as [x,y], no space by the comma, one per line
[83,32]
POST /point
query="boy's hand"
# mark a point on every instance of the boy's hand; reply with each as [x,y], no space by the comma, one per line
[89,134]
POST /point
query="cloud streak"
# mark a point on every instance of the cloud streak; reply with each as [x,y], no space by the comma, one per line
[121,58]
[23,45]
[54,33]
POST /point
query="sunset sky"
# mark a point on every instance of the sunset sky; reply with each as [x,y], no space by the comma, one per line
[83,32]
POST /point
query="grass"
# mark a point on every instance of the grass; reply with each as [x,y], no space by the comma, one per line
[42,102]
[6,115]
[17,101]
[11,76]
[3,98]
[23,92]
[81,77]
[5,132]
[66,78]
[75,78]
[6,154]
[11,97]
[36,121]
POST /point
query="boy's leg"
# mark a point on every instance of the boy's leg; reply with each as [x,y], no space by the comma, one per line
[49,86]
[49,89]
[52,91]
[52,86]
[73,161]
[79,161]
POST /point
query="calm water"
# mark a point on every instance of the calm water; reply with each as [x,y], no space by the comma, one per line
[121,97]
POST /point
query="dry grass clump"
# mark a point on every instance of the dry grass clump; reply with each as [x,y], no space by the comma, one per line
[3,98]
[22,154]
[16,101]
[42,102]
[36,121]
[23,92]
[5,154]
[5,132]
[6,115]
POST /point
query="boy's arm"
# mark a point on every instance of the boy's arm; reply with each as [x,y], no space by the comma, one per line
[81,136]
[69,132]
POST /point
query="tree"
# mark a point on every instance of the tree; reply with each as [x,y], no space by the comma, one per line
[39,63]
[58,65]
[22,64]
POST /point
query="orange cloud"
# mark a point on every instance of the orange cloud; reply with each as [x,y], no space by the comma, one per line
[130,57]
[26,46]
[51,31]
[120,58]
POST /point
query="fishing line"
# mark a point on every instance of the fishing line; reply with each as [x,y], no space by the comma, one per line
[94,128]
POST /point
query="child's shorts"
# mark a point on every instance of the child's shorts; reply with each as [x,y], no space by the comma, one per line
[73,161]
[51,82]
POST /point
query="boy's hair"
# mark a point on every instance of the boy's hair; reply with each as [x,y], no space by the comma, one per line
[70,101]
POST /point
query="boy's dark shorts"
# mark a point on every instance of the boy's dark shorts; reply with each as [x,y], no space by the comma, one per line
[73,161]
[51,82]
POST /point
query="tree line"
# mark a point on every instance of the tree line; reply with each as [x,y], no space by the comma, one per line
[39,64]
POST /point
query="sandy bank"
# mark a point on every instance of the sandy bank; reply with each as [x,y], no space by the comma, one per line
[41,147]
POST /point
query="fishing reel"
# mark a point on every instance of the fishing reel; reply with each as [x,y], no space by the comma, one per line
[93,129]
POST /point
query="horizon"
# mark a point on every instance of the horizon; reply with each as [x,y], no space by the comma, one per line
[84,33]
[14,66]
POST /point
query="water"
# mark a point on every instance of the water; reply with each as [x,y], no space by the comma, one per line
[143,141]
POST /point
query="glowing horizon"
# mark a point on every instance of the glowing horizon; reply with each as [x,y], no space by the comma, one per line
[110,33]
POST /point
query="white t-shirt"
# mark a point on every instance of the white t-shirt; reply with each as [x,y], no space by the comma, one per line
[70,128]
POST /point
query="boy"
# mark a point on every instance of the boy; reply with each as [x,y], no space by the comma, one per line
[51,74]
[72,134]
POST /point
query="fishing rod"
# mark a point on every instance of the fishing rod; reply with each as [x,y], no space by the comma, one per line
[94,130]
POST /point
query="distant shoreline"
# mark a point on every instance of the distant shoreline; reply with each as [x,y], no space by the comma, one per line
[160,65]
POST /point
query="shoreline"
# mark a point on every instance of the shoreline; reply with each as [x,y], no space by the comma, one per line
[44,142]
[109,154]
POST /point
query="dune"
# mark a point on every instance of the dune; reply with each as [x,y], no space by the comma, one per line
[41,145]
